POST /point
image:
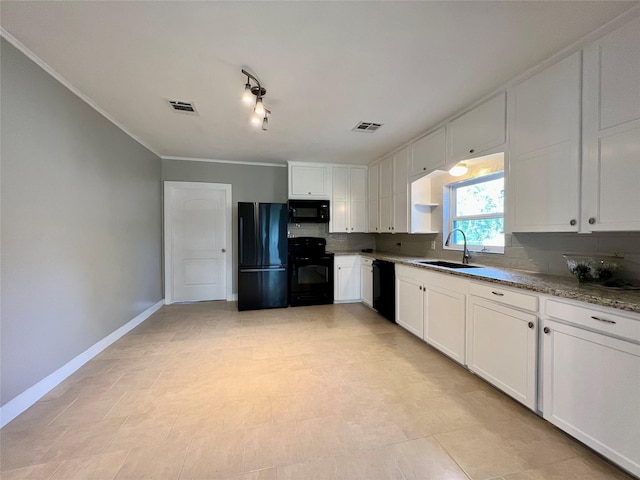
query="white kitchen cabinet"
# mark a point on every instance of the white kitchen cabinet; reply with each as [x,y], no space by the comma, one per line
[400,220]
[544,151]
[349,200]
[394,196]
[431,305]
[478,130]
[373,174]
[309,181]
[386,195]
[346,278]
[502,340]
[410,300]
[428,153]
[591,380]
[445,315]
[611,131]
[366,280]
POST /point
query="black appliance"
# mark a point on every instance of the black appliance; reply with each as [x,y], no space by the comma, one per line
[262,255]
[310,272]
[309,211]
[384,289]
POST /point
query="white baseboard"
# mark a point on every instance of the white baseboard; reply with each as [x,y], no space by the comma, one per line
[19,404]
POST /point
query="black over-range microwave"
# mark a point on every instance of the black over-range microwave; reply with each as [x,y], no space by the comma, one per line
[309,211]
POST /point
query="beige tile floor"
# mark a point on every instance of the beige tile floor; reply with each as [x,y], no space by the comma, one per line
[201,391]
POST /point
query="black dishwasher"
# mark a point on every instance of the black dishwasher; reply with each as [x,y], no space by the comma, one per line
[384,289]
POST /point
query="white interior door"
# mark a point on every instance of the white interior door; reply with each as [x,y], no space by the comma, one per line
[197,241]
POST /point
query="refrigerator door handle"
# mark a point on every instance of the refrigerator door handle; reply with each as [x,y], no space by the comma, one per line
[241,236]
[252,270]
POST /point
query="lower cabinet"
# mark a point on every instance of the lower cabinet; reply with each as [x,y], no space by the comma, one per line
[366,280]
[445,320]
[591,380]
[502,342]
[409,301]
[432,306]
[346,278]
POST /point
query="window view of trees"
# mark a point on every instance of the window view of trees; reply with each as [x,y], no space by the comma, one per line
[477,208]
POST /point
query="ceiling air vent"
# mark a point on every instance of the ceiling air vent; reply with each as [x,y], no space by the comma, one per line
[183,107]
[368,127]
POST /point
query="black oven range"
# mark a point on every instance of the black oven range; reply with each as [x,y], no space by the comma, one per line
[310,272]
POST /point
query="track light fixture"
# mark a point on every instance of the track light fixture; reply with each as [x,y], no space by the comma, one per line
[252,95]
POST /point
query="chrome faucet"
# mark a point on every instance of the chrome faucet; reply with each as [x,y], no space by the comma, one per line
[465,253]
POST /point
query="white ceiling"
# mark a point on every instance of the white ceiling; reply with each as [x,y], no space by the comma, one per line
[326,66]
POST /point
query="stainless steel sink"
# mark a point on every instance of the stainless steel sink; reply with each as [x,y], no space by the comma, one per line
[442,263]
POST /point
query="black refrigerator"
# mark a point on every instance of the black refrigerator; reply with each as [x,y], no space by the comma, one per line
[262,255]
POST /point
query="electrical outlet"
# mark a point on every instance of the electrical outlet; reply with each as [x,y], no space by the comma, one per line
[433,244]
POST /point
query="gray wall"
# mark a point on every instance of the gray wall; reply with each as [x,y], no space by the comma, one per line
[80,222]
[249,183]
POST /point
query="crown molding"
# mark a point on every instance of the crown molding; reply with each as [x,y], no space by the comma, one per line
[211,160]
[42,64]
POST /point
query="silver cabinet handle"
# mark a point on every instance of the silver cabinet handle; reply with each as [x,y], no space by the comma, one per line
[604,320]
[498,293]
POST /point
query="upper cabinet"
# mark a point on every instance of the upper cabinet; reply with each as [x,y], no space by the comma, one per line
[349,199]
[611,135]
[428,153]
[478,130]
[309,181]
[544,150]
[374,198]
[400,219]
[393,193]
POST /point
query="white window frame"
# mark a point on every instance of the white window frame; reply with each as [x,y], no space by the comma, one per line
[450,207]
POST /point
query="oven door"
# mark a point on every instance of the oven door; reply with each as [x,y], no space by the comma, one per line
[310,280]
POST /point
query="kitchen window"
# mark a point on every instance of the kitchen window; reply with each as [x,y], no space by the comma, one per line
[476,206]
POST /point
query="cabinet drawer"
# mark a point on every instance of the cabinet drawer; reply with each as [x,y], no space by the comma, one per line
[601,320]
[504,295]
[366,261]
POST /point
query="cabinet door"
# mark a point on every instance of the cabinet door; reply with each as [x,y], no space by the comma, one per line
[410,305]
[366,283]
[501,348]
[347,279]
[611,119]
[340,200]
[428,153]
[544,164]
[374,195]
[400,212]
[444,326]
[308,181]
[482,128]
[386,209]
[358,199]
[386,177]
[591,390]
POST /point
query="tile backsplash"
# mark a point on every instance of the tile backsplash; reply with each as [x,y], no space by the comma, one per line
[534,252]
[335,241]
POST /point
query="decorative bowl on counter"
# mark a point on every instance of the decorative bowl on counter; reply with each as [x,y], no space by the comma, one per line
[592,268]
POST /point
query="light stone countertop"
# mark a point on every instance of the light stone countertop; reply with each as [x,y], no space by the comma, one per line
[565,287]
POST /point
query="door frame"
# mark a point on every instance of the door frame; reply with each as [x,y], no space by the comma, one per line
[168,228]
